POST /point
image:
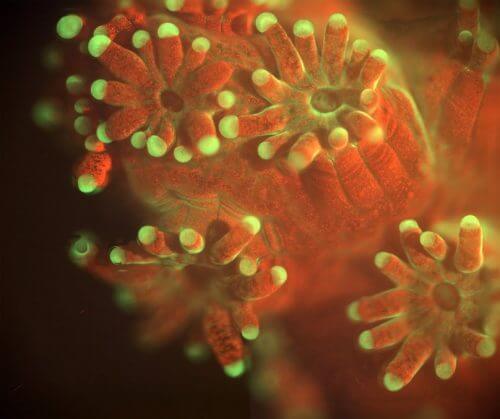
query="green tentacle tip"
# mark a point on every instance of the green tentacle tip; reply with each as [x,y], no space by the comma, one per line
[69,26]
[444,371]
[140,38]
[365,340]
[87,184]
[392,382]
[209,145]
[279,275]
[81,249]
[98,45]
[235,369]
[156,146]
[250,332]
[486,348]
[98,89]
[117,256]
[353,312]
[147,235]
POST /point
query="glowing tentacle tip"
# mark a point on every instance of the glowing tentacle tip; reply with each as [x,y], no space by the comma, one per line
[235,369]
[101,133]
[365,340]
[444,371]
[466,37]
[80,250]
[182,154]
[247,266]
[408,225]
[380,55]
[98,45]
[87,184]
[392,382]
[470,222]
[265,150]
[117,256]
[140,38]
[337,21]
[338,138]
[303,28]
[98,89]
[156,146]
[260,77]
[353,311]
[265,21]
[167,30]
[427,239]
[360,46]
[279,275]
[201,44]
[174,5]
[83,125]
[229,126]
[209,145]
[486,43]
[226,99]
[147,235]
[250,332]
[382,259]
[75,84]
[486,348]
[191,241]
[252,224]
[138,140]
[69,26]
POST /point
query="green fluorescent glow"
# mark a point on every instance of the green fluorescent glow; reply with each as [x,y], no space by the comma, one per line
[98,45]
[69,26]
[209,145]
[98,89]
[147,235]
[250,332]
[157,147]
[117,256]
[235,369]
[138,140]
[75,84]
[393,383]
[140,38]
[83,125]
[87,184]
[46,114]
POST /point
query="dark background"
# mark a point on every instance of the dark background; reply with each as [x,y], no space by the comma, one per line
[68,349]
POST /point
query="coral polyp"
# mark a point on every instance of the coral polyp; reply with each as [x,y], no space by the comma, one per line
[158,94]
[444,303]
[178,277]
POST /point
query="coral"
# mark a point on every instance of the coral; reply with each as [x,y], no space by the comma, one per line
[174,278]
[264,154]
[444,304]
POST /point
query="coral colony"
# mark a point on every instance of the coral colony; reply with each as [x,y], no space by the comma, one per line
[265,144]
